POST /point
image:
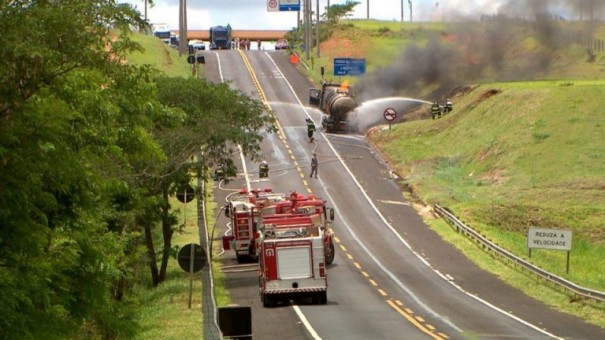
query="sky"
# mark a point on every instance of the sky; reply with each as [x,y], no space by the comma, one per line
[253,14]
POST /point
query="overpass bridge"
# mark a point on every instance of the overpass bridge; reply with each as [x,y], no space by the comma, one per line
[262,35]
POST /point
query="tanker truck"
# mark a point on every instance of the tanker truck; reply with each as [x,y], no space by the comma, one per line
[336,101]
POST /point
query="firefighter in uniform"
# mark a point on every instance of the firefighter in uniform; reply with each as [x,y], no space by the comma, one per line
[310,129]
[436,110]
[449,106]
[219,174]
[263,169]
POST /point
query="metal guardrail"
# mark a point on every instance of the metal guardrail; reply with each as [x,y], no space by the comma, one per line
[552,278]
[211,329]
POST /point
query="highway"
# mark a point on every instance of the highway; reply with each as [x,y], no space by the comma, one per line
[393,278]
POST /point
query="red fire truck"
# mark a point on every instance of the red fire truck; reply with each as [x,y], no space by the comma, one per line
[242,211]
[311,206]
[245,209]
[292,261]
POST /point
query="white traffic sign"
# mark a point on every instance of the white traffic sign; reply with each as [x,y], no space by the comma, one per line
[390,114]
[272,6]
[549,239]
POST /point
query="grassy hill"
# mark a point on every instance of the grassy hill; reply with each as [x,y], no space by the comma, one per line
[524,146]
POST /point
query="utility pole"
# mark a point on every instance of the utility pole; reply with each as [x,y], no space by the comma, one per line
[317,29]
[401,10]
[410,2]
[183,43]
[368,9]
[307,29]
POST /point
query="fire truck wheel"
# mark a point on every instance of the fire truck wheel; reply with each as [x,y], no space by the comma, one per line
[330,253]
[322,298]
[267,300]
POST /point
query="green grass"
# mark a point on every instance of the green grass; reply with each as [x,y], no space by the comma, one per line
[159,55]
[511,156]
[554,298]
[533,154]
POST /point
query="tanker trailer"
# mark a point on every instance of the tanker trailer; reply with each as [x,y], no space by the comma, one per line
[336,101]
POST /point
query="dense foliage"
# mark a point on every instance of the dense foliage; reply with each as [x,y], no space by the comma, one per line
[330,18]
[88,158]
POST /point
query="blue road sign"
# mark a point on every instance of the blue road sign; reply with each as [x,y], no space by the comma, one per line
[349,66]
[289,5]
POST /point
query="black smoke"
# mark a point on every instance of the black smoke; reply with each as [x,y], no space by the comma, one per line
[518,42]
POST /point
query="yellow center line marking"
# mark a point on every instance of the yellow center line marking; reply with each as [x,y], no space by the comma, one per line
[280,131]
[406,313]
[411,319]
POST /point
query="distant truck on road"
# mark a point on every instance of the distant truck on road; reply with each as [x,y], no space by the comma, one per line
[162,31]
[220,37]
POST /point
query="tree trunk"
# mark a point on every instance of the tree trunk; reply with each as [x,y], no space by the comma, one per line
[118,289]
[153,266]
[167,236]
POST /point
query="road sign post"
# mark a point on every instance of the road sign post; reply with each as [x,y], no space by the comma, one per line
[192,258]
[272,6]
[390,114]
[185,195]
[550,239]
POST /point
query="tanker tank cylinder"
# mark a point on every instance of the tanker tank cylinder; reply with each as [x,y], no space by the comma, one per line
[341,106]
[338,104]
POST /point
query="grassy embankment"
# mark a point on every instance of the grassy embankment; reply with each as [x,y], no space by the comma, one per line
[525,154]
[164,312]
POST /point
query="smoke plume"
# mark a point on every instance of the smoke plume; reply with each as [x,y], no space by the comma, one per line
[485,46]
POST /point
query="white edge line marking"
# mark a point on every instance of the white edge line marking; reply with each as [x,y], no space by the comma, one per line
[389,273]
[305,322]
[241,154]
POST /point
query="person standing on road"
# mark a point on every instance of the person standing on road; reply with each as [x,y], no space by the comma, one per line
[313,166]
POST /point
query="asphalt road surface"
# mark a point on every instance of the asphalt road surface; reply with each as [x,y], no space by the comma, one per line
[393,278]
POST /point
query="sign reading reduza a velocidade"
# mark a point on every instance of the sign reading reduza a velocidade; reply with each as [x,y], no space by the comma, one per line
[549,239]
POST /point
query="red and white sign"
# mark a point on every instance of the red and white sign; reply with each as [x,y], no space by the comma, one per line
[272,6]
[390,114]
